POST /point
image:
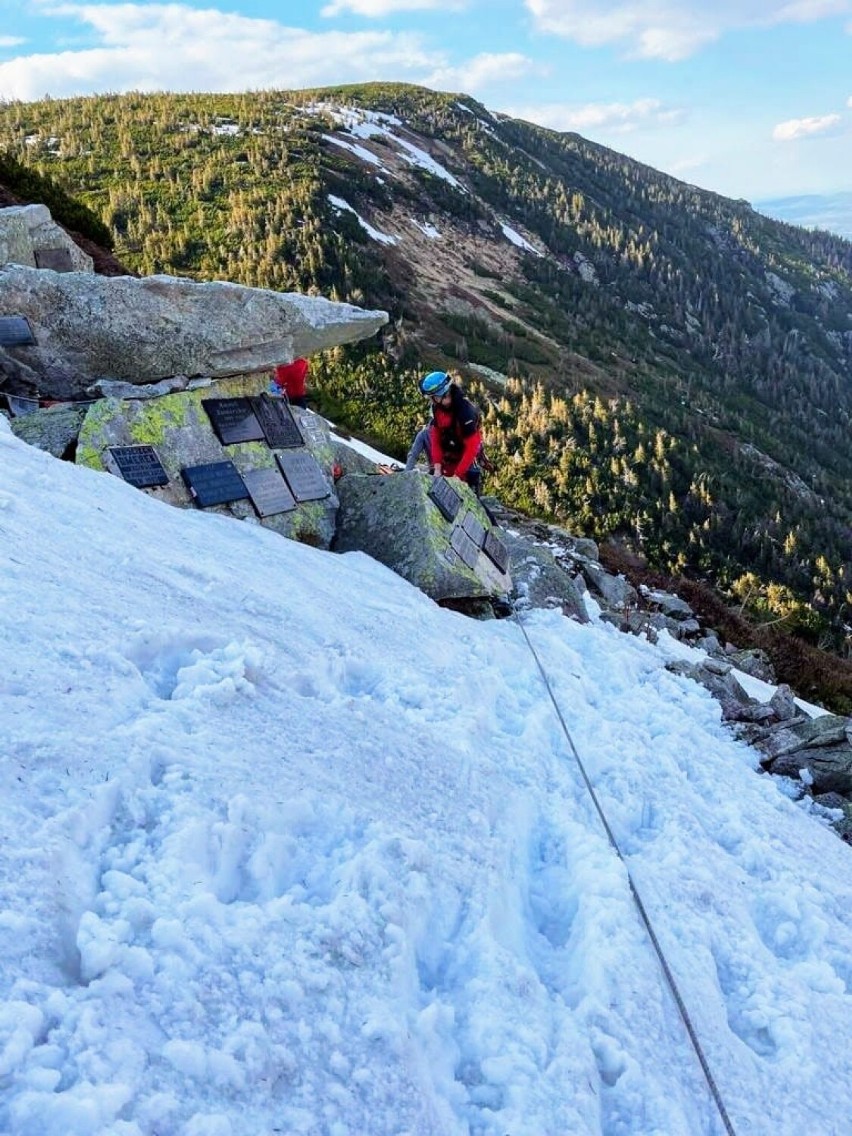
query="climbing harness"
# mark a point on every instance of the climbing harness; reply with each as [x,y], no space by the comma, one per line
[667,971]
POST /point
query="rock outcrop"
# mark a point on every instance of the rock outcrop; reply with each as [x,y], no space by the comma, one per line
[815,754]
[179,429]
[396,520]
[540,581]
[89,328]
[29,236]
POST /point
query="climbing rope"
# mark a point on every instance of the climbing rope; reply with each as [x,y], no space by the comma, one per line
[667,971]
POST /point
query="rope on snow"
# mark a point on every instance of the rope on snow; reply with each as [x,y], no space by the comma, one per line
[667,971]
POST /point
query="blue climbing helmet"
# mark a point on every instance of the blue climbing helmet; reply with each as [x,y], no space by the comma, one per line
[435,384]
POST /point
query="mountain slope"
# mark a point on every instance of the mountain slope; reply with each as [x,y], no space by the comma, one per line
[287,847]
[683,362]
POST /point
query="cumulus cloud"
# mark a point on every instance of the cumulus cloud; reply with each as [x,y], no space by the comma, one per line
[10,41]
[795,128]
[668,29]
[481,71]
[208,50]
[597,118]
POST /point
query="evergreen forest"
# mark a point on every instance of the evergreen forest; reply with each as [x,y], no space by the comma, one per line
[659,367]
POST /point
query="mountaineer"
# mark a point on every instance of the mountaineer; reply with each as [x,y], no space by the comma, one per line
[455,438]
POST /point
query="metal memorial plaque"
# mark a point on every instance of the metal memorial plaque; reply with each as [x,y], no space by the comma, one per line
[15,331]
[19,405]
[312,428]
[276,421]
[215,483]
[445,497]
[59,259]
[464,546]
[304,476]
[139,465]
[496,551]
[474,528]
[269,492]
[233,420]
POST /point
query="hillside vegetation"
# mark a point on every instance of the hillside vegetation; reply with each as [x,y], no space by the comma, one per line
[659,366]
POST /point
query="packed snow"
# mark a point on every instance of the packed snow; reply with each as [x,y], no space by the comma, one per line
[359,151]
[515,238]
[427,228]
[288,848]
[377,235]
[368,124]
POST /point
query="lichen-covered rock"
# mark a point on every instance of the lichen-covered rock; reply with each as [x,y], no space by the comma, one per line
[179,429]
[393,519]
[828,769]
[89,328]
[670,605]
[53,428]
[736,703]
[810,733]
[783,703]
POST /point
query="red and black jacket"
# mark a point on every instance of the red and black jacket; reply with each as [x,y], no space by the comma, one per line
[454,435]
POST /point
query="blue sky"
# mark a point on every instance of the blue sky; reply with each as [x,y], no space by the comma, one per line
[750,98]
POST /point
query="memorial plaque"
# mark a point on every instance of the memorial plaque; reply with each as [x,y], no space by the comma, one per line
[445,497]
[18,405]
[474,528]
[311,427]
[496,551]
[277,422]
[215,483]
[233,420]
[15,331]
[304,476]
[464,546]
[59,259]
[269,492]
[139,465]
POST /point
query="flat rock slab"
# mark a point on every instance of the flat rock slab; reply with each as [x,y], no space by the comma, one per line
[90,328]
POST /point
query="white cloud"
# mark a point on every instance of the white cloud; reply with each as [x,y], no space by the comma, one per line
[481,71]
[612,118]
[377,9]
[208,50]
[795,128]
[11,41]
[668,29]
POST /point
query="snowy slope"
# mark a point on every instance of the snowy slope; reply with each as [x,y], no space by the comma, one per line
[287,848]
